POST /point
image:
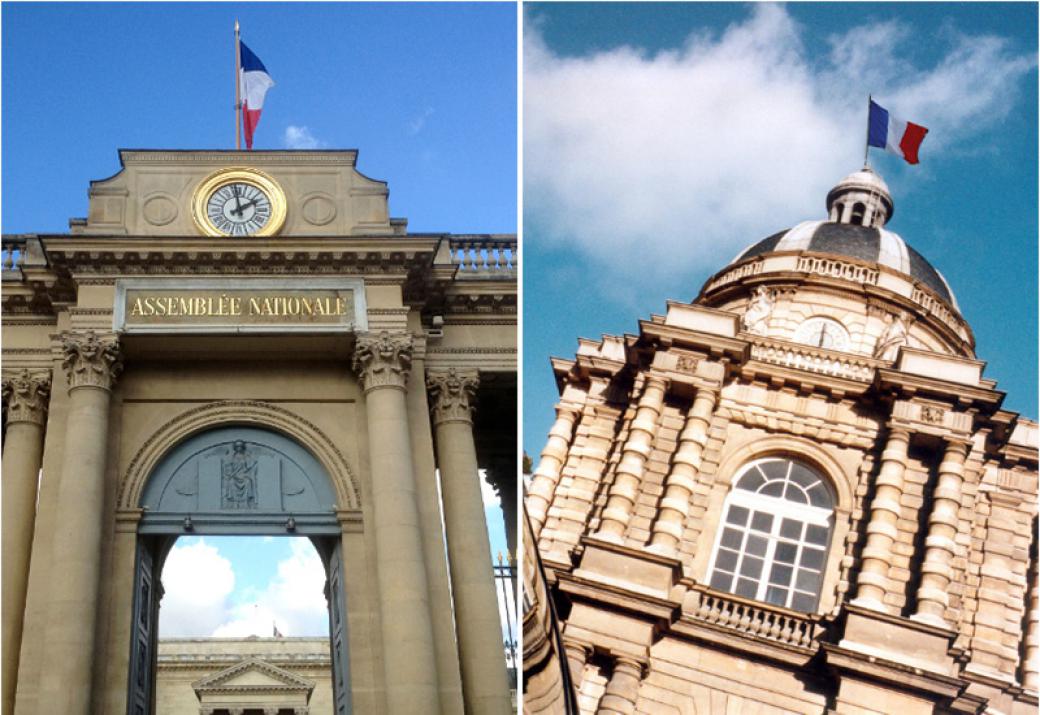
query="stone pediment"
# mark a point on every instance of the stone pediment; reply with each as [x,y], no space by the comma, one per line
[252,676]
[152,194]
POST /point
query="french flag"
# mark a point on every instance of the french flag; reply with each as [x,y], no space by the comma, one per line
[894,135]
[254,82]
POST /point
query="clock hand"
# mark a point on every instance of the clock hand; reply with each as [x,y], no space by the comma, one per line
[238,201]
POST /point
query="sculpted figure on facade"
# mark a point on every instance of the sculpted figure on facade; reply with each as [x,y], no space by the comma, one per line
[895,336]
[91,360]
[239,479]
[453,392]
[25,397]
[383,359]
[756,319]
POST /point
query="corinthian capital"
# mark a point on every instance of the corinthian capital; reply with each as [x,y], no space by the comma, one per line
[453,392]
[90,360]
[25,396]
[383,359]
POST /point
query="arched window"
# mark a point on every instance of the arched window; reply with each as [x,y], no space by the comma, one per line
[858,212]
[775,530]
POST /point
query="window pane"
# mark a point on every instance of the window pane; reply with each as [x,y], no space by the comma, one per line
[796,494]
[756,545]
[803,602]
[737,515]
[808,580]
[721,580]
[731,538]
[761,521]
[791,529]
[777,595]
[775,469]
[785,552]
[773,489]
[802,476]
[746,587]
[817,535]
[819,496]
[781,575]
[813,558]
[751,567]
[752,480]
[726,560]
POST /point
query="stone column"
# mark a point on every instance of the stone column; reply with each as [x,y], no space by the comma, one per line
[577,653]
[629,473]
[623,688]
[1031,654]
[881,529]
[92,364]
[667,529]
[26,397]
[547,474]
[382,362]
[485,688]
[936,572]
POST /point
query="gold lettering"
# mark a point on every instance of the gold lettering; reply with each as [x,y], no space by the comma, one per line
[149,305]
[161,307]
[254,306]
[266,308]
[136,310]
[341,305]
[306,306]
[236,305]
[320,306]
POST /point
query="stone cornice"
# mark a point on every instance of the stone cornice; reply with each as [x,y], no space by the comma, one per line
[452,392]
[383,359]
[26,395]
[90,360]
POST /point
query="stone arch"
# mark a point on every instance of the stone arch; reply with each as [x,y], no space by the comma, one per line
[251,413]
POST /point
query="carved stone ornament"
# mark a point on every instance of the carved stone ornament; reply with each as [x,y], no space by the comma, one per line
[25,397]
[932,415]
[383,359]
[756,319]
[90,360]
[895,336]
[453,392]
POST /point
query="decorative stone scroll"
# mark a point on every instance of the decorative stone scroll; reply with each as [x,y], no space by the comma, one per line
[383,359]
[26,395]
[453,392]
[91,360]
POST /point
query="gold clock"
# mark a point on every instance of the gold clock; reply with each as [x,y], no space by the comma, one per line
[239,202]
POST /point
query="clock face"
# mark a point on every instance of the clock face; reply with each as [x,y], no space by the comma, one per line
[239,202]
[822,333]
[238,209]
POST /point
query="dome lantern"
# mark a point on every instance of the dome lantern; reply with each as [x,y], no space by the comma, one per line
[862,198]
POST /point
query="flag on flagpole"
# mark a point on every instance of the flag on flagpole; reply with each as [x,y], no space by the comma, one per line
[894,135]
[254,82]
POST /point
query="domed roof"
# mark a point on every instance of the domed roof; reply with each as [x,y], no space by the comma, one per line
[859,206]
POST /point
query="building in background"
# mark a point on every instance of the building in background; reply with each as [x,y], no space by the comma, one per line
[235,343]
[796,494]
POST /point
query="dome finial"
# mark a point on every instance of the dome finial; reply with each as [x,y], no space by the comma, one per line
[861,198]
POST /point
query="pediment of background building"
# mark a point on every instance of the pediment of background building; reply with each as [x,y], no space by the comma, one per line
[252,676]
[151,195]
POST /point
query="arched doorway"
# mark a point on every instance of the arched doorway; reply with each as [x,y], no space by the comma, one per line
[233,480]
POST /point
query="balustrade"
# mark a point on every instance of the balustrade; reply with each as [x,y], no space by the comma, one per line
[754,619]
[488,257]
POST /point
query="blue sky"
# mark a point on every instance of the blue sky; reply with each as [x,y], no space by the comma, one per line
[426,93]
[662,138]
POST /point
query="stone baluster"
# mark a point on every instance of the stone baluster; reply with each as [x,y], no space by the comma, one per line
[485,687]
[881,529]
[382,362]
[629,473]
[667,529]
[92,363]
[547,474]
[25,396]
[623,687]
[1031,653]
[936,570]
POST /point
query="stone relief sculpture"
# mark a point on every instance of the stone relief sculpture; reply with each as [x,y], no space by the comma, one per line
[756,318]
[896,335]
[238,479]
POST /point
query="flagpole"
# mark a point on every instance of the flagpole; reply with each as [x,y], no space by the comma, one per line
[866,148]
[238,99]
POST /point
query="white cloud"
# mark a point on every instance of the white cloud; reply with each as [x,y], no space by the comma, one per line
[487,492]
[679,159]
[416,125]
[294,600]
[301,138]
[198,582]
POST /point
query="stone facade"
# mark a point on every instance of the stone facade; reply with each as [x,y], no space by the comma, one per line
[135,333]
[797,494]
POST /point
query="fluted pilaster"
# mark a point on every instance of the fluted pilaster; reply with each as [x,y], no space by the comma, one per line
[881,529]
[629,473]
[667,529]
[940,547]
[547,474]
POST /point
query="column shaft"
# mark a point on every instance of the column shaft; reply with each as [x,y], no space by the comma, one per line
[1031,654]
[622,690]
[667,529]
[940,547]
[577,656]
[547,474]
[23,454]
[629,473]
[881,529]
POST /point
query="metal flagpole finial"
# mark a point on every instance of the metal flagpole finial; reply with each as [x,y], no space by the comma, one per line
[236,24]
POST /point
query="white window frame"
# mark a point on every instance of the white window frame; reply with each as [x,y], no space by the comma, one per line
[779,508]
